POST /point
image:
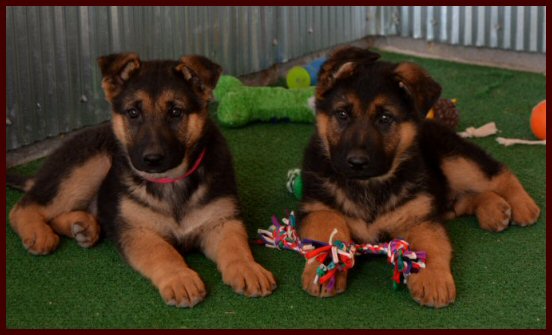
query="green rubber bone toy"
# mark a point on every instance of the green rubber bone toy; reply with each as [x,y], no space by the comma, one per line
[240,105]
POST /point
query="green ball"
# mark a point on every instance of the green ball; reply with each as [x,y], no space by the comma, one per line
[298,77]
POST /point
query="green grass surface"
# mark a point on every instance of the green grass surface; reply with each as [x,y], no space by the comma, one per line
[500,278]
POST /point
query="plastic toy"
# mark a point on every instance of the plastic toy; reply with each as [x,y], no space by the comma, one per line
[301,77]
[336,256]
[445,111]
[538,120]
[240,105]
[294,183]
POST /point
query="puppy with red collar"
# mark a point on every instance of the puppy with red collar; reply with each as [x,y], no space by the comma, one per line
[158,179]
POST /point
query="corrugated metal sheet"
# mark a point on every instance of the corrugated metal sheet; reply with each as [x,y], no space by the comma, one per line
[518,28]
[53,84]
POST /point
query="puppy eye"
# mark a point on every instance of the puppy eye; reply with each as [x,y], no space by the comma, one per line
[385,119]
[343,114]
[133,113]
[176,112]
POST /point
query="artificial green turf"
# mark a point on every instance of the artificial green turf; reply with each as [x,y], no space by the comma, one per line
[500,277]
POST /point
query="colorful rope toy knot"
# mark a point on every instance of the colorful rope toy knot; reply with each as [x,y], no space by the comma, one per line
[338,256]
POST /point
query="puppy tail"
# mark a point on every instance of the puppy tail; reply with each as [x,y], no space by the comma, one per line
[19,183]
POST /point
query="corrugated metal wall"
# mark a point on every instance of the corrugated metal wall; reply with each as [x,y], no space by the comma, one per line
[519,28]
[53,83]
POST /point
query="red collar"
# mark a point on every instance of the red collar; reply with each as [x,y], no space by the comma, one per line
[172,180]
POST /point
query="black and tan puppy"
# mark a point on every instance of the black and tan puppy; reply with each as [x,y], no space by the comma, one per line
[160,175]
[375,170]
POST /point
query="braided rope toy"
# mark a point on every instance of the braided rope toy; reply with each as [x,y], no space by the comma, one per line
[337,256]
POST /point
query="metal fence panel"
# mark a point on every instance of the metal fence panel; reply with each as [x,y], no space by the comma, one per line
[53,84]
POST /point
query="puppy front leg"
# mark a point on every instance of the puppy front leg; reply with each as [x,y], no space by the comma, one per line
[227,245]
[318,226]
[433,286]
[156,259]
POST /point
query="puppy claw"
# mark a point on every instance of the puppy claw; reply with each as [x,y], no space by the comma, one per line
[432,288]
[42,242]
[183,289]
[525,211]
[249,279]
[494,215]
[85,233]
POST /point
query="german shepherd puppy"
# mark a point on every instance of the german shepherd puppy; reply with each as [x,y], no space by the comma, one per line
[375,170]
[160,175]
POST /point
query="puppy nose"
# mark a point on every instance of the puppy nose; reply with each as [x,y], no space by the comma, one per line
[153,159]
[357,160]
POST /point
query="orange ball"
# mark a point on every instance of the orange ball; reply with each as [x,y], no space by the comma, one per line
[538,120]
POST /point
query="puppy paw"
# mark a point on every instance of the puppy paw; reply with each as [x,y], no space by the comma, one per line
[432,288]
[322,290]
[494,214]
[40,239]
[86,232]
[525,211]
[249,278]
[183,289]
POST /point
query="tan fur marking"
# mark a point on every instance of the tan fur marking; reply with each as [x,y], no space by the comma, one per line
[116,73]
[418,84]
[163,100]
[492,211]
[119,127]
[393,222]
[140,217]
[378,102]
[406,139]
[194,129]
[108,89]
[77,190]
[194,223]
[203,218]
[227,245]
[319,226]
[344,70]
[227,242]
[350,207]
[63,223]
[150,254]
[314,206]
[140,193]
[433,286]
[80,225]
[30,224]
[354,101]
[146,99]
[322,125]
[465,176]
[431,238]
[28,184]
[153,257]
[129,68]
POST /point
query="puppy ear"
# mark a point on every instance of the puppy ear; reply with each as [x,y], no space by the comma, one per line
[201,72]
[116,70]
[419,85]
[342,63]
